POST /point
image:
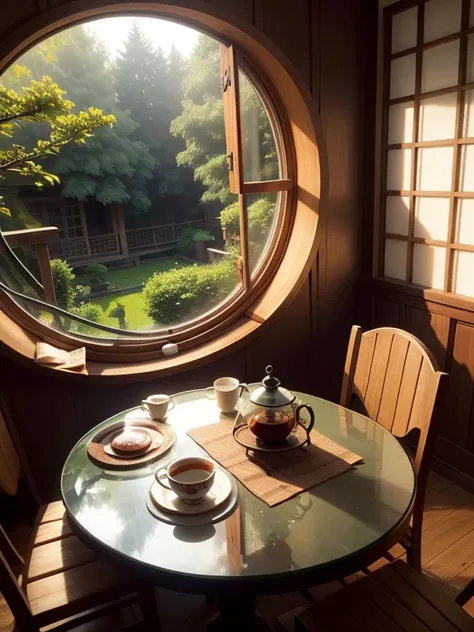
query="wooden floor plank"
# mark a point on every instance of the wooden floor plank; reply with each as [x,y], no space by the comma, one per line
[454,565]
[447,532]
[443,504]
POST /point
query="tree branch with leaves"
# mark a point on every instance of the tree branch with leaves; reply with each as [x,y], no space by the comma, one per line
[42,102]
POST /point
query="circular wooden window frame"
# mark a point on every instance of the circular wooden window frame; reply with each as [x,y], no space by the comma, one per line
[301,147]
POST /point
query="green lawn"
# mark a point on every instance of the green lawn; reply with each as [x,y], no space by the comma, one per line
[130,277]
[135,315]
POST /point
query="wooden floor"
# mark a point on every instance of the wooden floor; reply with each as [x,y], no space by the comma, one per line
[448,559]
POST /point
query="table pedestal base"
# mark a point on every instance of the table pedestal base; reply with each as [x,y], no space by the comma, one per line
[237,614]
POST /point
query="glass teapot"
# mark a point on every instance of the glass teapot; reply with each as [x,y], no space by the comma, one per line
[272,414]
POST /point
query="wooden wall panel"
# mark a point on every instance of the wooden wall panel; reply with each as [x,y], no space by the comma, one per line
[458,426]
[332,46]
[13,14]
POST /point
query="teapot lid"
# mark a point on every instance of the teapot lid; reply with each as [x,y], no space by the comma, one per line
[270,394]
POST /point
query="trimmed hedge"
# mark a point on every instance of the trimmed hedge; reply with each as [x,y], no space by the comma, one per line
[180,294]
[63,277]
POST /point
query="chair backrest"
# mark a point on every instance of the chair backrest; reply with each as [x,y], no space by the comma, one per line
[391,377]
[9,460]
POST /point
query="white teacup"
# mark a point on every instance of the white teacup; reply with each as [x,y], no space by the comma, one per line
[158,405]
[190,478]
[226,391]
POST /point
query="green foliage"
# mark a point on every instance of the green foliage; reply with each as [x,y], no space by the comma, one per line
[96,272]
[63,276]
[42,102]
[112,166]
[118,311]
[82,291]
[91,311]
[201,124]
[177,295]
[185,244]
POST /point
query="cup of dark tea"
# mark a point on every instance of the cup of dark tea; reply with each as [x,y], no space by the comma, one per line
[190,478]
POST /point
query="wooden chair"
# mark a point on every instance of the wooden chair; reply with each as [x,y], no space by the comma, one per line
[391,377]
[394,598]
[62,582]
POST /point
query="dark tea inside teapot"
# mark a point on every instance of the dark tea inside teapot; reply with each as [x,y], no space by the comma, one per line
[273,414]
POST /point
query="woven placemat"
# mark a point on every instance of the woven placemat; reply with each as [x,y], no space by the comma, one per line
[275,477]
[96,451]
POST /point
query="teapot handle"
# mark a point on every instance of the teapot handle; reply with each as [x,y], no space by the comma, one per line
[311,417]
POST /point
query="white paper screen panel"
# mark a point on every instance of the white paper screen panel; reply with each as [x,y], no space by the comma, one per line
[435,166]
[395,259]
[463,273]
[400,123]
[439,67]
[466,174]
[442,17]
[404,26]
[468,122]
[431,218]
[402,76]
[398,169]
[464,229]
[396,215]
[429,265]
[438,117]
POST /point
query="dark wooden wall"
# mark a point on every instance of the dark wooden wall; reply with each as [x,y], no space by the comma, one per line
[332,44]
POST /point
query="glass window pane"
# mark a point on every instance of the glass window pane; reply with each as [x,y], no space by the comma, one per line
[464,229]
[402,77]
[404,25]
[397,212]
[260,155]
[398,169]
[440,67]
[431,218]
[155,182]
[395,259]
[463,273]
[261,215]
[466,172]
[442,17]
[428,266]
[435,165]
[400,123]
[438,117]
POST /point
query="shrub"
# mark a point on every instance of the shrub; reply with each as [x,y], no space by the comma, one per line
[82,291]
[185,244]
[63,277]
[180,294]
[97,273]
[117,310]
[259,215]
[91,311]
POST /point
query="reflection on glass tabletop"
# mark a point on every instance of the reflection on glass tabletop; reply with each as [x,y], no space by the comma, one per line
[324,525]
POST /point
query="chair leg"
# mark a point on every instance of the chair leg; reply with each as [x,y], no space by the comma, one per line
[414,550]
[466,593]
[151,617]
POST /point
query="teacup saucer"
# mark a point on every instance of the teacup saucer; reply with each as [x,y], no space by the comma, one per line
[169,501]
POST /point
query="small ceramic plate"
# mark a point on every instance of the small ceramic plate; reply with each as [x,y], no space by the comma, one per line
[131,440]
[155,441]
[167,500]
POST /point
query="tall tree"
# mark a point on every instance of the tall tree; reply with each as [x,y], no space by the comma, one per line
[149,86]
[42,102]
[113,166]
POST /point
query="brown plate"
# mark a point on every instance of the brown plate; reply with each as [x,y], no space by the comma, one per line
[99,448]
[131,440]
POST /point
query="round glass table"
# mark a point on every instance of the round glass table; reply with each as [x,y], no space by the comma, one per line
[328,532]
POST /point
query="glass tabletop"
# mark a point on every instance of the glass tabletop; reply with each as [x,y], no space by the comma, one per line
[318,528]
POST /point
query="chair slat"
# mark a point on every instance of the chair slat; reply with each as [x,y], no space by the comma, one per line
[378,374]
[51,512]
[393,382]
[364,364]
[54,557]
[50,531]
[407,392]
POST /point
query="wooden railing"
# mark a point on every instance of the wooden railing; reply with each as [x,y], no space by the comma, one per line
[39,239]
[155,236]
